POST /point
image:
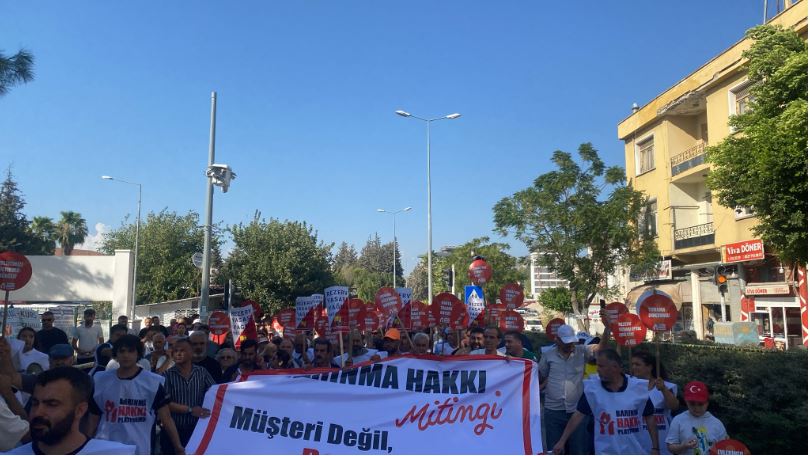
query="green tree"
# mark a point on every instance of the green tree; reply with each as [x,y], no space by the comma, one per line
[15,69]
[378,258]
[273,262]
[505,267]
[345,256]
[584,230]
[763,165]
[13,223]
[558,299]
[167,242]
[43,236]
[417,280]
[70,230]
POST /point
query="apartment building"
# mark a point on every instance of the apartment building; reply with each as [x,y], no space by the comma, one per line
[664,147]
[541,277]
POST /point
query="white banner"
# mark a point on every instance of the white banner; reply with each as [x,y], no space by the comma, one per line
[19,318]
[402,405]
[335,297]
[302,306]
[405,294]
[240,316]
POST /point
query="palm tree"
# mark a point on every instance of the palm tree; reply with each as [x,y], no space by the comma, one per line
[71,230]
[15,70]
[43,231]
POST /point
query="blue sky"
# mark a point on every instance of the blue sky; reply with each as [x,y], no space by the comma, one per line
[307,93]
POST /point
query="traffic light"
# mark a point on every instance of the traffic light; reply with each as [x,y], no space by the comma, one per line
[448,277]
[720,278]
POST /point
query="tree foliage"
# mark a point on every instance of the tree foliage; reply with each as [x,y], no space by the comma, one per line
[582,229]
[378,258]
[13,223]
[763,165]
[43,236]
[273,262]
[167,242]
[15,69]
[37,237]
[345,256]
[557,298]
[505,267]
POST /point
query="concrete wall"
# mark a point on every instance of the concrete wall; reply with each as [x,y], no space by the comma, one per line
[80,278]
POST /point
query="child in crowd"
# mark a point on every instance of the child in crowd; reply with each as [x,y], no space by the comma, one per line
[695,431]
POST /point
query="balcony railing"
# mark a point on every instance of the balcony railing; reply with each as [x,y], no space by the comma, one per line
[689,158]
[694,236]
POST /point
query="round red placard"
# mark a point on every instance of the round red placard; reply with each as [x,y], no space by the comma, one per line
[219,323]
[479,272]
[551,328]
[658,312]
[15,271]
[511,296]
[628,330]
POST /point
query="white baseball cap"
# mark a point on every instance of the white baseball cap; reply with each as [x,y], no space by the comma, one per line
[567,335]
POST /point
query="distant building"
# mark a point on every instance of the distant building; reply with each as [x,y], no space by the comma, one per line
[542,277]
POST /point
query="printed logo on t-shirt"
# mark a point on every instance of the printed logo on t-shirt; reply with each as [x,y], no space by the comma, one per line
[606,424]
[127,411]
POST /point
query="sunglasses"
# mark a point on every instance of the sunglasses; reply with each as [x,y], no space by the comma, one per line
[47,319]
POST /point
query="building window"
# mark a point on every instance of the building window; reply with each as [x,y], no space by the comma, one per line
[743,212]
[645,155]
[649,219]
[740,98]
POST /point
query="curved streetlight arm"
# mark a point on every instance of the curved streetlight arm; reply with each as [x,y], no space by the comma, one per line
[137,245]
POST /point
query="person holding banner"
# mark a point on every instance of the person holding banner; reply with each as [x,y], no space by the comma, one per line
[421,344]
[492,338]
[323,354]
[619,403]
[562,371]
[662,393]
[514,346]
[359,352]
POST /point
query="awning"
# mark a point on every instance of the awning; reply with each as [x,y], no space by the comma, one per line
[671,289]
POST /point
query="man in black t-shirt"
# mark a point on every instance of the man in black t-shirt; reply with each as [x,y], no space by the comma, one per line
[49,335]
[199,347]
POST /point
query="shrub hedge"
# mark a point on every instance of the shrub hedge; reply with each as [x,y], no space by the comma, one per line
[760,395]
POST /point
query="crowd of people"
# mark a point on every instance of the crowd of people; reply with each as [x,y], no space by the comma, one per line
[141,392]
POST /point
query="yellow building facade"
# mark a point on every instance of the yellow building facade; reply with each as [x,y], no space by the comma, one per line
[664,151]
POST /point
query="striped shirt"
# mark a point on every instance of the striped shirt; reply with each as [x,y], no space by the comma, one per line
[187,391]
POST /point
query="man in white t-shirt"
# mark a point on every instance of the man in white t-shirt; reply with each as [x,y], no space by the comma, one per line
[60,400]
[492,338]
[695,431]
[86,337]
[359,353]
[447,344]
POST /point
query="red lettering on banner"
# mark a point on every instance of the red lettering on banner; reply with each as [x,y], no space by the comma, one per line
[449,412]
[311,451]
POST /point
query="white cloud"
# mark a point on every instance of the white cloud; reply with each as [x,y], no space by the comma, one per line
[93,240]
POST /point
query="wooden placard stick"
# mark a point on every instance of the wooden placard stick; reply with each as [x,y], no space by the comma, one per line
[342,359]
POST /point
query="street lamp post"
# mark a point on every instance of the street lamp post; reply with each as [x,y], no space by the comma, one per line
[394,216]
[429,214]
[137,244]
